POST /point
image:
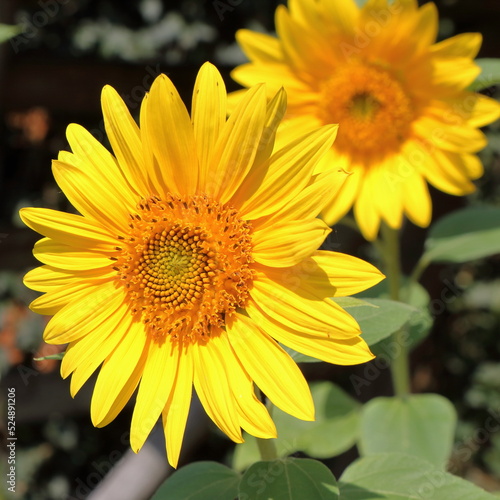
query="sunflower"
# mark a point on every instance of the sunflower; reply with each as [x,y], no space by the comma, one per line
[194,257]
[401,100]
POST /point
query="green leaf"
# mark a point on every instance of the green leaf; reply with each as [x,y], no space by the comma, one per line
[347,302]
[200,481]
[298,357]
[8,31]
[288,479]
[394,476]
[467,234]
[419,324]
[335,430]
[490,74]
[414,332]
[421,424]
[380,322]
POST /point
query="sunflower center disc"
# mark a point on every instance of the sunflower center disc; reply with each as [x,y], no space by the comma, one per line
[372,108]
[185,265]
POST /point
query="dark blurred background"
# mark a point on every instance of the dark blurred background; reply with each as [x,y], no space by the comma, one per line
[51,75]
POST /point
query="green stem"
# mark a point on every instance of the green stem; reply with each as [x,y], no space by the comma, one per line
[418,270]
[400,368]
[267,447]
[392,260]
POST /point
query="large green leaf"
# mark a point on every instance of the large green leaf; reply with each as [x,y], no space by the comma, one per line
[467,234]
[421,424]
[418,325]
[414,332]
[380,322]
[395,476]
[7,31]
[288,479]
[298,357]
[200,481]
[348,302]
[490,74]
[335,430]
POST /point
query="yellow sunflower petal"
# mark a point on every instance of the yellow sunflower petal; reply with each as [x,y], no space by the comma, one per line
[275,111]
[211,381]
[341,351]
[119,376]
[254,417]
[305,205]
[327,274]
[128,388]
[84,355]
[156,385]
[465,108]
[386,182]
[417,200]
[472,165]
[70,258]
[84,351]
[208,115]
[455,138]
[343,16]
[341,201]
[95,160]
[456,73]
[98,342]
[171,137]
[176,410]
[106,206]
[287,173]
[367,217]
[273,370]
[47,278]
[485,110]
[303,49]
[426,28]
[125,138]
[295,127]
[159,178]
[88,364]
[237,145]
[463,45]
[71,229]
[233,99]
[53,301]
[296,307]
[448,172]
[275,75]
[306,14]
[283,244]
[78,318]
[259,46]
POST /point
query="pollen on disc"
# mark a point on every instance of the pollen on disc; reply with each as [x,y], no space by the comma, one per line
[185,265]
